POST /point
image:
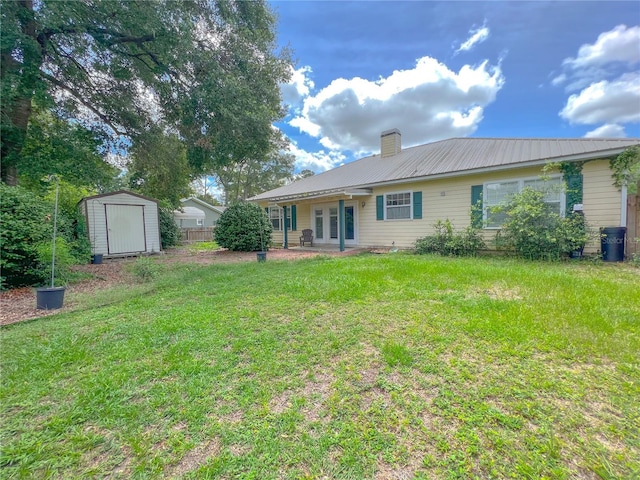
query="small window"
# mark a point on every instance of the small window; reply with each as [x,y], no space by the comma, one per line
[275,215]
[276,218]
[398,206]
[200,222]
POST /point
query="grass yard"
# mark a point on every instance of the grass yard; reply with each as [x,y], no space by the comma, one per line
[374,366]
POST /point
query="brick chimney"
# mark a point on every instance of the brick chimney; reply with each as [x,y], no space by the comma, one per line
[390,142]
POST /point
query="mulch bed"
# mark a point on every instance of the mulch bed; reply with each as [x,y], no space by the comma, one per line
[20,304]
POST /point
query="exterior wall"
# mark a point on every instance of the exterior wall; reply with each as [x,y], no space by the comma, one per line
[210,216]
[601,199]
[94,210]
[450,198]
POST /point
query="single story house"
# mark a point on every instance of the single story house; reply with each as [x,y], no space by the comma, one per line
[195,213]
[122,223]
[394,197]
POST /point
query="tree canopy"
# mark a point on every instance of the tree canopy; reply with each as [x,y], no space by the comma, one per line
[208,69]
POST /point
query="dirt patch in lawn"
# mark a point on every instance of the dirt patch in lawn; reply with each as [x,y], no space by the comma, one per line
[20,304]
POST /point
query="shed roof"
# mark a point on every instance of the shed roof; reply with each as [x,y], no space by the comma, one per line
[189,213]
[453,157]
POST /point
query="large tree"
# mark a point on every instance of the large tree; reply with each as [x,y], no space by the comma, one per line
[207,68]
[251,177]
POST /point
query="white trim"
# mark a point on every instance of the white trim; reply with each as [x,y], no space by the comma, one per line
[385,206]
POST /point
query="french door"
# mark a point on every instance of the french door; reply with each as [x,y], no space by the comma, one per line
[326,223]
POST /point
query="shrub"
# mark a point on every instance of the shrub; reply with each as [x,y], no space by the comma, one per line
[145,269]
[446,241]
[243,227]
[26,221]
[533,231]
[64,261]
[170,234]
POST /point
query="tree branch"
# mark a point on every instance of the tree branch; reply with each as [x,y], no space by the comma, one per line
[79,97]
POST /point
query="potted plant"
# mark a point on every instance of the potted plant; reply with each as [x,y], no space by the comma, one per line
[51,297]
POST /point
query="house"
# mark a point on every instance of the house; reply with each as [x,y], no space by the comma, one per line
[394,197]
[121,223]
[196,213]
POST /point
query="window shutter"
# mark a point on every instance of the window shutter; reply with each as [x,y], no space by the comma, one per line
[574,190]
[476,206]
[294,223]
[266,210]
[417,205]
[380,207]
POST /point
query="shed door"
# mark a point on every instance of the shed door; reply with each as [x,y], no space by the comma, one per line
[125,229]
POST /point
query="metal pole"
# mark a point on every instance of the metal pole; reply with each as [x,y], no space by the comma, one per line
[55,228]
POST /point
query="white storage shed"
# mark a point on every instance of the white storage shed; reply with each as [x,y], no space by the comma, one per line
[122,223]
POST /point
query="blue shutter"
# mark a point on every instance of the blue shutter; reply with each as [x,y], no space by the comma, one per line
[476,206]
[294,223]
[417,205]
[380,207]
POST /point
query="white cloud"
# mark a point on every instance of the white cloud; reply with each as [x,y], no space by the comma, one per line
[605,82]
[298,87]
[609,102]
[477,36]
[316,161]
[427,102]
[608,130]
[618,45]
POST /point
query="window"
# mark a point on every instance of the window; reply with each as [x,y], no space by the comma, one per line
[275,215]
[200,222]
[499,193]
[398,205]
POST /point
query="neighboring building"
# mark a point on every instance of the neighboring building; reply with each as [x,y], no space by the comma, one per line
[121,223]
[395,197]
[197,214]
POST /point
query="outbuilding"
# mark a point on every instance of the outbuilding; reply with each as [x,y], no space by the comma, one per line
[122,223]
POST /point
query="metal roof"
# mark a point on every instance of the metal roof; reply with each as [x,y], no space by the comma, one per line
[456,156]
[188,213]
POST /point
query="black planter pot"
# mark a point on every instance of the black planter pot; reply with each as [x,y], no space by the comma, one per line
[96,258]
[50,298]
[262,256]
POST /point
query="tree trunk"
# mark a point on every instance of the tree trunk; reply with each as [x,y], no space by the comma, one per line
[17,108]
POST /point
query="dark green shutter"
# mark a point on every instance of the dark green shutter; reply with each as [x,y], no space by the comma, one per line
[476,206]
[380,207]
[417,205]
[266,210]
[574,190]
[294,222]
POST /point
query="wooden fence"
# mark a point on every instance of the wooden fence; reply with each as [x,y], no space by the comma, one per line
[633,224]
[194,235]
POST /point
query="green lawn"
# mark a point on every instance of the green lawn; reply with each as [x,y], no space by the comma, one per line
[375,366]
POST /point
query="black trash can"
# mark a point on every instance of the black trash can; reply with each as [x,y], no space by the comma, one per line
[612,243]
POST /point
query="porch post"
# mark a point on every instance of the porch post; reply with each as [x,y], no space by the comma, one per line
[342,223]
[286,226]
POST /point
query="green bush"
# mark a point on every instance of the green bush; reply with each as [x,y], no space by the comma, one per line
[26,221]
[170,234]
[243,227]
[145,269]
[64,261]
[447,242]
[534,231]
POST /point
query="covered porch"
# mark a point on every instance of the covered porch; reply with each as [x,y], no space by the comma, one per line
[333,217]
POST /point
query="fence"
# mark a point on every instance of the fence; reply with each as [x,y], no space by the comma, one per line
[194,235]
[633,223]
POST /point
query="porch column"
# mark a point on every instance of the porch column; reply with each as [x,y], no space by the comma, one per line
[286,227]
[343,225]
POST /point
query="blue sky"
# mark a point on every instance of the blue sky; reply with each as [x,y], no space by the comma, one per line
[437,70]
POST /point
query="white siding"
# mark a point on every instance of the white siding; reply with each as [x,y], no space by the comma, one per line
[94,208]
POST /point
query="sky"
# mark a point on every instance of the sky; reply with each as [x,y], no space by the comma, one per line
[438,70]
